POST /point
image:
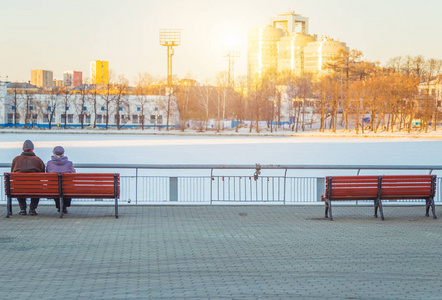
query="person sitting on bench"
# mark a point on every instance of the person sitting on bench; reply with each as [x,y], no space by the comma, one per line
[28,162]
[60,164]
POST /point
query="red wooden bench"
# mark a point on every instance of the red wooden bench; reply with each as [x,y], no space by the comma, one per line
[70,185]
[378,188]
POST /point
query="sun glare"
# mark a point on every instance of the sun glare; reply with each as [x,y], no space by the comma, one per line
[231,39]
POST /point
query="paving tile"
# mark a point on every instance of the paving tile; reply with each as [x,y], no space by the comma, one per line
[220,252]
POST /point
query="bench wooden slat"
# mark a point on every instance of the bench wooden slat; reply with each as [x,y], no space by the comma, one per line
[71,185]
[377,188]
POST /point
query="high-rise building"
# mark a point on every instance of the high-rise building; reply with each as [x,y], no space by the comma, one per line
[291,52]
[285,44]
[319,53]
[290,22]
[41,78]
[263,42]
[263,49]
[72,78]
[100,72]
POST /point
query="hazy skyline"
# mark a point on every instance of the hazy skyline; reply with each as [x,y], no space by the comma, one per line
[68,35]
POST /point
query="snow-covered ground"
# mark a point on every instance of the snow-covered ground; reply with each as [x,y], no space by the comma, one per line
[130,148]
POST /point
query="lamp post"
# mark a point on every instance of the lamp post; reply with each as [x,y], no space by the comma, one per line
[231,53]
[169,38]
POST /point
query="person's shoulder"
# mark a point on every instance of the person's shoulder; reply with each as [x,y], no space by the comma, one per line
[17,157]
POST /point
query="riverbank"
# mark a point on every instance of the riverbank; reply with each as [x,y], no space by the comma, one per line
[341,133]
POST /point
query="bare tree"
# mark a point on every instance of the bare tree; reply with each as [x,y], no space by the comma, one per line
[120,99]
[51,107]
[81,102]
[224,97]
[16,97]
[239,107]
[106,95]
[65,95]
[29,103]
[203,98]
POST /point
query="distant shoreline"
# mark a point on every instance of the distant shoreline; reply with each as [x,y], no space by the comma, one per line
[241,133]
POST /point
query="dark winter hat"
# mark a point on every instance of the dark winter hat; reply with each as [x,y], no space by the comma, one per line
[58,151]
[28,145]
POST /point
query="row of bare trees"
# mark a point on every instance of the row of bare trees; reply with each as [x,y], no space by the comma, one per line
[351,94]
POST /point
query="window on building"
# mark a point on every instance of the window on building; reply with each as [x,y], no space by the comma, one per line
[10,118]
[80,118]
[62,118]
[160,119]
[152,119]
[105,119]
[135,119]
[70,118]
[99,119]
[88,118]
[115,119]
[45,118]
[34,117]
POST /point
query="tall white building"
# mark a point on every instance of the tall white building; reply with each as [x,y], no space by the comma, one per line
[285,44]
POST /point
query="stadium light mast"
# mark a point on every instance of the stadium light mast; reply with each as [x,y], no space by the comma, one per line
[169,38]
[231,53]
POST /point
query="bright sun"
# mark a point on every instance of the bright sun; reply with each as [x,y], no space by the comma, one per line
[231,39]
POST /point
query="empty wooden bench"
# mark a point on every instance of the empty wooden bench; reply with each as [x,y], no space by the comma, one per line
[59,185]
[378,188]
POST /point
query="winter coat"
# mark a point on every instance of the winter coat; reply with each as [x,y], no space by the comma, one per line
[27,162]
[60,164]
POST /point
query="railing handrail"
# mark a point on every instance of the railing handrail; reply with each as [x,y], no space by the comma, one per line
[268,167]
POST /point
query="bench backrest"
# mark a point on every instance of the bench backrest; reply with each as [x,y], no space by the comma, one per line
[352,187]
[72,185]
[385,187]
[91,185]
[408,186]
[38,185]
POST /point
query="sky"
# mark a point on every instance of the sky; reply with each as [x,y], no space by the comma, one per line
[67,35]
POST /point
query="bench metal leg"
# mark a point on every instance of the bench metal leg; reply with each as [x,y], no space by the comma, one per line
[8,207]
[330,209]
[326,208]
[376,205]
[430,202]
[381,210]
[61,207]
[116,208]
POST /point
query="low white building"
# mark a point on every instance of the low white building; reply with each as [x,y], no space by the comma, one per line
[91,111]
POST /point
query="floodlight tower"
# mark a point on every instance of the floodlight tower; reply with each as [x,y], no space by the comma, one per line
[169,38]
[231,53]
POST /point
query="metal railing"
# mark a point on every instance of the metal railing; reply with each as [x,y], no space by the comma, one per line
[213,184]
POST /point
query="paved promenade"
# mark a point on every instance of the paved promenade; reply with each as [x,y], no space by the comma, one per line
[221,252]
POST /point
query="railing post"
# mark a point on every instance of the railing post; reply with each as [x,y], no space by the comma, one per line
[285,181]
[136,186]
[320,188]
[211,185]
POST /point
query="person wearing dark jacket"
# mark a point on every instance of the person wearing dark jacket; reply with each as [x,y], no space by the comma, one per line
[60,164]
[28,162]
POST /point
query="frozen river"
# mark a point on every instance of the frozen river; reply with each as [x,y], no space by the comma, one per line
[145,149]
